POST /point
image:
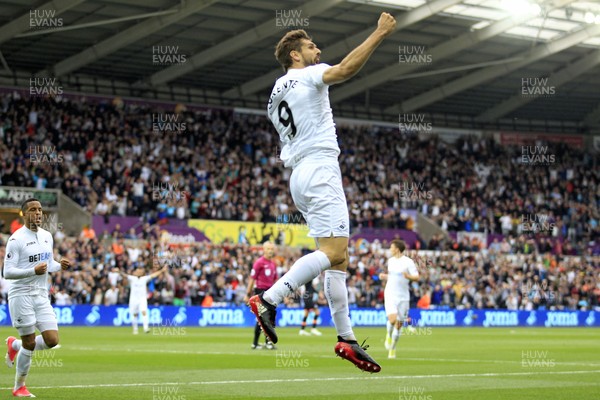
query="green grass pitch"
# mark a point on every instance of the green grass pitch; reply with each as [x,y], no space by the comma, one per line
[217,363]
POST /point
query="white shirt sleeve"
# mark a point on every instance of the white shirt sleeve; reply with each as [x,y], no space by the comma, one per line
[53,265]
[315,73]
[412,268]
[11,271]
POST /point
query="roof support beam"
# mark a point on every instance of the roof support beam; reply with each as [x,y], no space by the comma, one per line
[21,24]
[439,52]
[466,82]
[231,45]
[343,47]
[556,79]
[126,37]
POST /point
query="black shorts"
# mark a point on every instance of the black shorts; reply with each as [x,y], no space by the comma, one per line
[259,291]
[309,303]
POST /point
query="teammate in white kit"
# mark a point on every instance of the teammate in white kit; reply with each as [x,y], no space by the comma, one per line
[28,259]
[299,109]
[401,270]
[138,296]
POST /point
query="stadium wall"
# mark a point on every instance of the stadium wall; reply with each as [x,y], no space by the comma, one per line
[173,316]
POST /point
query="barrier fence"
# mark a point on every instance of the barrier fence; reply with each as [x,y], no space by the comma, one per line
[88,315]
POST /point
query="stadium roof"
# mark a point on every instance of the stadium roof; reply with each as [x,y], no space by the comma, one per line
[473,63]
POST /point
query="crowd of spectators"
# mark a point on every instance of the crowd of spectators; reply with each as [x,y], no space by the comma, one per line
[216,274]
[115,159]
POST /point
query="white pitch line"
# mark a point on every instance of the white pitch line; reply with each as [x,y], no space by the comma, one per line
[301,380]
[268,353]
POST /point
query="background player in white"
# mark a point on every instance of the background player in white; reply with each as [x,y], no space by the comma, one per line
[28,259]
[138,296]
[401,270]
[299,109]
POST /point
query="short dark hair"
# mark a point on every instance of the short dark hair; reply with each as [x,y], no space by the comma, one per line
[29,200]
[290,41]
[400,245]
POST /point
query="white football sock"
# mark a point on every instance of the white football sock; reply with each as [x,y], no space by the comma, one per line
[395,337]
[40,344]
[390,327]
[23,364]
[305,269]
[134,322]
[146,321]
[16,345]
[337,296]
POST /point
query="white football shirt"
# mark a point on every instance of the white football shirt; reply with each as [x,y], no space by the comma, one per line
[300,111]
[138,285]
[26,249]
[397,284]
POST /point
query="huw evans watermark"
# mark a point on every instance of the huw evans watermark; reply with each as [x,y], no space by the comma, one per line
[167,55]
[290,19]
[168,122]
[167,392]
[414,122]
[45,155]
[537,155]
[409,54]
[168,192]
[412,191]
[537,87]
[413,393]
[44,19]
[537,223]
[290,359]
[45,87]
[536,359]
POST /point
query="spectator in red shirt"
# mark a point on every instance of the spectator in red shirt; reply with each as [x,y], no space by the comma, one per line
[263,276]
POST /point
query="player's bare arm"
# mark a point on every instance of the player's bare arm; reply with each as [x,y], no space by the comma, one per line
[159,272]
[249,289]
[357,58]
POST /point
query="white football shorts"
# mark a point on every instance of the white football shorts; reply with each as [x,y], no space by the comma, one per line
[317,191]
[30,312]
[138,305]
[395,306]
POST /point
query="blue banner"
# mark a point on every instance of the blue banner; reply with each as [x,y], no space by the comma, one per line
[88,315]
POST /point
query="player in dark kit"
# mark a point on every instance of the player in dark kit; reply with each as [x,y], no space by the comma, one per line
[309,305]
[262,277]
